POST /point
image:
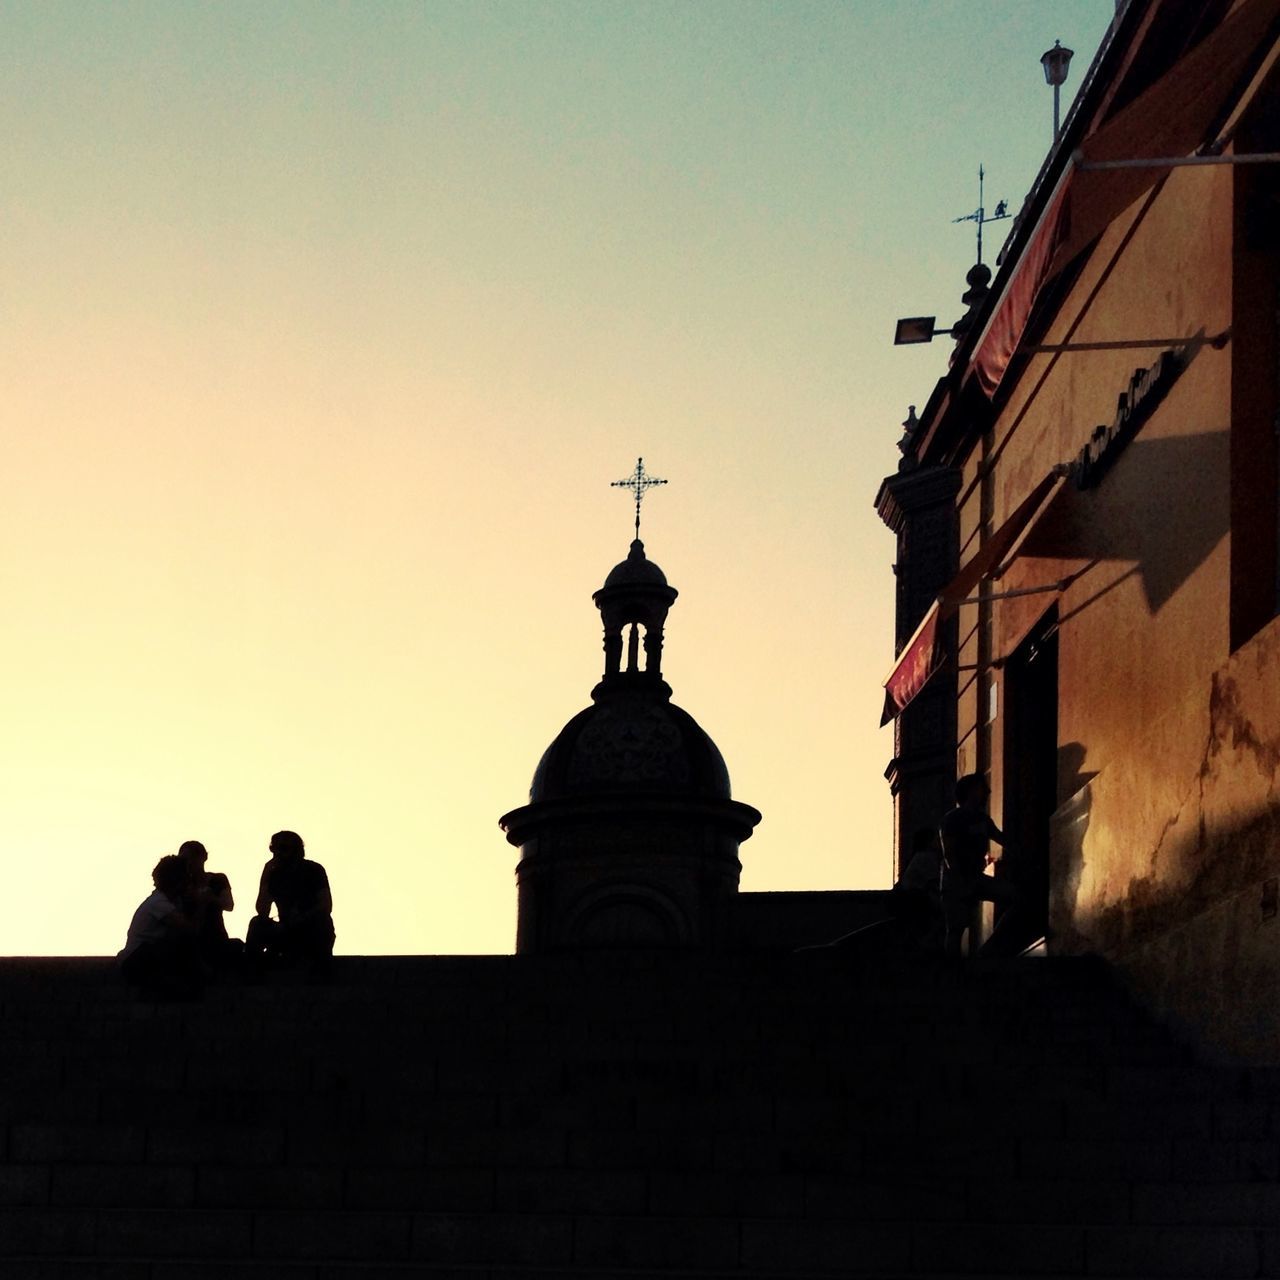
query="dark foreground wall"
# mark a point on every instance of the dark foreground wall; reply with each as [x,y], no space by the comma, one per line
[607,1115]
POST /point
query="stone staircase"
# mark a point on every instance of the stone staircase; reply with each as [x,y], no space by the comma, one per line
[502,1118]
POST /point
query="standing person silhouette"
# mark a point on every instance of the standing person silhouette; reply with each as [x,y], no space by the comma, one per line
[299,891]
[967,834]
[208,897]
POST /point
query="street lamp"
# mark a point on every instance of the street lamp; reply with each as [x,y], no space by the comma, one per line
[1055,63]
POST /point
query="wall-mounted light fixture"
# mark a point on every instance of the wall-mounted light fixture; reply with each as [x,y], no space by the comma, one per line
[918,329]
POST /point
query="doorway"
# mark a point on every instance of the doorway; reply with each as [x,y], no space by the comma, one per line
[1031,769]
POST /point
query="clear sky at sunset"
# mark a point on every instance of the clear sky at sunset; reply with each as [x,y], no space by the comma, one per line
[326,327]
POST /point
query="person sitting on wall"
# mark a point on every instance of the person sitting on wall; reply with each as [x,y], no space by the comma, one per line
[967,833]
[299,891]
[917,897]
[160,955]
[208,898]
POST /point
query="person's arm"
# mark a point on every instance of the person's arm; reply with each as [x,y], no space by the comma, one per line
[221,887]
[263,905]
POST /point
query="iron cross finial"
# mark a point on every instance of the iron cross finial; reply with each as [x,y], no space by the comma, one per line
[639,483]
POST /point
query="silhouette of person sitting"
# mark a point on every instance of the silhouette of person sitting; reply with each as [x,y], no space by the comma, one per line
[917,897]
[160,953]
[207,899]
[299,891]
[967,834]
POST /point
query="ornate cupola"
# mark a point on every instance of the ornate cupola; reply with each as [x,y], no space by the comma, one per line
[630,837]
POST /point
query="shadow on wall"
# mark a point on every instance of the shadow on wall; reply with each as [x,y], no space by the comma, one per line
[1164,507]
[1192,871]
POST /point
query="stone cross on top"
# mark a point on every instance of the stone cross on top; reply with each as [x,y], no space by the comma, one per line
[639,482]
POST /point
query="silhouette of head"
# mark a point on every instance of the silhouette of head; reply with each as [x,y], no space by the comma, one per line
[287,845]
[170,875]
[193,853]
[972,791]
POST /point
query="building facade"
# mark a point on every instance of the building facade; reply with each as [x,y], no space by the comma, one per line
[1110,419]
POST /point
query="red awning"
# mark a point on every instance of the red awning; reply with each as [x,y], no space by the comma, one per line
[1169,120]
[922,655]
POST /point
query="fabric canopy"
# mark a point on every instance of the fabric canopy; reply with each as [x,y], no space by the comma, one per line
[1169,120]
[922,655]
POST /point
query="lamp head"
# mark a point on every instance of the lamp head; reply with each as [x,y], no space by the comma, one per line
[1055,62]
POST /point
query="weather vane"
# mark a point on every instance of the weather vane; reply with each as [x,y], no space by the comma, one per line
[979,215]
[639,483]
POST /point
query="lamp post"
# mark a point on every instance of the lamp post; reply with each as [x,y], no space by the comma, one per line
[1055,63]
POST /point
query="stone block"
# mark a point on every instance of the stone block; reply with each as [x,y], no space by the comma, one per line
[684,1243]
[226,1144]
[487,1073]
[843,1247]
[254,1186]
[604,1149]
[1243,1121]
[1172,1251]
[1195,1161]
[762,1195]
[1007,1118]
[875,1112]
[172,1233]
[1111,1120]
[496,1148]
[433,1190]
[1088,1158]
[44,1232]
[162,1071]
[98,1143]
[886,1155]
[856,1199]
[24,1184]
[527,1239]
[569,1111]
[1088,1201]
[65,1269]
[46,1104]
[735,1113]
[970,1249]
[348,1235]
[432,1111]
[131,1186]
[570,1191]
[380,1144]
[1216,1204]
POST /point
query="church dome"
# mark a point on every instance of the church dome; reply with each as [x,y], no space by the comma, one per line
[636,570]
[631,743]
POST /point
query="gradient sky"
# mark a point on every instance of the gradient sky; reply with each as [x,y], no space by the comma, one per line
[325,329]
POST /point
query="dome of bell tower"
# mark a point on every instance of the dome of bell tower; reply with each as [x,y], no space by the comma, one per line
[630,836]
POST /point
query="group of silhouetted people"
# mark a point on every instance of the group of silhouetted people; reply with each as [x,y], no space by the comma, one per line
[177,939]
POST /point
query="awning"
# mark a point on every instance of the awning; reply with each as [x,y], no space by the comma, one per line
[1171,118]
[922,655]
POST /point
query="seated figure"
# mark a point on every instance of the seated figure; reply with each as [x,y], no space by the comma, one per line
[160,955]
[299,891]
[207,899]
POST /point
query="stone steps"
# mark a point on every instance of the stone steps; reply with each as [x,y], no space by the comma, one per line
[638,1115]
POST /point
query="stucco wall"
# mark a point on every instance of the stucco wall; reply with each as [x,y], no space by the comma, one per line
[1168,826]
[1182,890]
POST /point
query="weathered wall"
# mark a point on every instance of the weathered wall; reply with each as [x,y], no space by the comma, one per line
[1165,848]
[1196,926]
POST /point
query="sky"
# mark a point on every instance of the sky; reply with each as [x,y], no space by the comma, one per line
[326,327]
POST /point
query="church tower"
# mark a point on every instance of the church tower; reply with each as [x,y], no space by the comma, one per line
[630,837]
